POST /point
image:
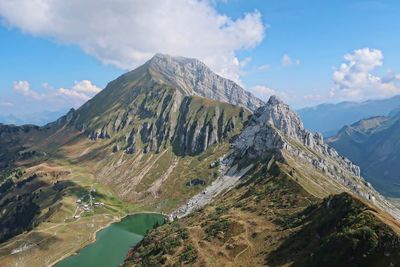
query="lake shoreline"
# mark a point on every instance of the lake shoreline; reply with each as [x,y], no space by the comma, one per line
[93,238]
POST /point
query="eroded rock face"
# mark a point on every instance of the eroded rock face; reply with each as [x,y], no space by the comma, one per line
[275,126]
[195,78]
[167,101]
[276,130]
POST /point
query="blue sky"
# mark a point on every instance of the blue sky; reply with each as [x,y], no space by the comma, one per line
[58,58]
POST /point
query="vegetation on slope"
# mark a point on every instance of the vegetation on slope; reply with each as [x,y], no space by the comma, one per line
[270,220]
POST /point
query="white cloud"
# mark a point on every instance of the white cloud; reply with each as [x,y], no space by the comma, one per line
[265,92]
[82,90]
[264,67]
[245,62]
[287,61]
[25,88]
[79,93]
[356,78]
[127,33]
[6,104]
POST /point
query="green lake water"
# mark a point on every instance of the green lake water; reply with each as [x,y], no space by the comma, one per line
[113,242]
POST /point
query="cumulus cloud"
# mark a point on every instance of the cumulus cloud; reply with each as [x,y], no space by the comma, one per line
[25,88]
[127,33]
[82,90]
[264,67]
[79,93]
[287,61]
[265,92]
[356,77]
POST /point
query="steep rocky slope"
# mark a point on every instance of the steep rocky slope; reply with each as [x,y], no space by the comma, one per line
[270,220]
[162,103]
[278,201]
[275,132]
[374,145]
[195,78]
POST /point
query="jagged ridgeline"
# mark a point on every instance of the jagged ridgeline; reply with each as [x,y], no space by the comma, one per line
[163,103]
[285,199]
[152,130]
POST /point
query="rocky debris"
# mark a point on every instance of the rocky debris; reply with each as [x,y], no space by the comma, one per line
[229,177]
[194,78]
[195,182]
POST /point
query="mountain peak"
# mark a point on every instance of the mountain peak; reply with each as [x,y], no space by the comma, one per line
[274,100]
[193,77]
[166,60]
[276,131]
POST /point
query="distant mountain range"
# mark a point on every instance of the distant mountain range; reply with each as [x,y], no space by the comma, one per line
[330,118]
[374,144]
[36,118]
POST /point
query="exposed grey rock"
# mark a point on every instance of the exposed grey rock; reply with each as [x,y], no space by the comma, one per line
[274,129]
[275,126]
[195,78]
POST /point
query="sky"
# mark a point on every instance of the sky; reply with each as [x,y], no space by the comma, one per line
[57,54]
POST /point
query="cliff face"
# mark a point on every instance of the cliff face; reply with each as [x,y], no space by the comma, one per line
[274,127]
[275,130]
[195,78]
[167,101]
[276,133]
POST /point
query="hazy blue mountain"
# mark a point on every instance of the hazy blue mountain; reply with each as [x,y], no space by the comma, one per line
[330,118]
[374,145]
[39,118]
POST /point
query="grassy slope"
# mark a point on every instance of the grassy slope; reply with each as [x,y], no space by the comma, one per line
[139,179]
[270,219]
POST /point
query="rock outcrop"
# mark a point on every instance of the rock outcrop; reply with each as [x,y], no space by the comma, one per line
[275,127]
[275,130]
[194,78]
[167,101]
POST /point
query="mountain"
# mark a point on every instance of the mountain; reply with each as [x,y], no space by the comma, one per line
[374,145]
[284,198]
[194,78]
[139,143]
[37,118]
[330,118]
[243,181]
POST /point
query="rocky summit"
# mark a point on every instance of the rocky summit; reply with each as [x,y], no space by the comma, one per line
[195,78]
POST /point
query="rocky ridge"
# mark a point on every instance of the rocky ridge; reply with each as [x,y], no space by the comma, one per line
[167,101]
[276,129]
[274,132]
[195,78]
